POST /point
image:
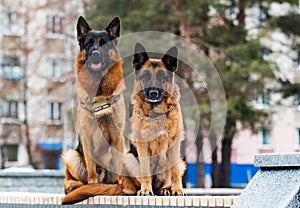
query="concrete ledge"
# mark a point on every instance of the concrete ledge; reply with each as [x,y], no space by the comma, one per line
[54,200]
[29,180]
[276,184]
[32,173]
[277,160]
[213,191]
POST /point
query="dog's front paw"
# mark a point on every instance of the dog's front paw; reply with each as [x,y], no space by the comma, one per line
[145,192]
[177,192]
[164,192]
[128,185]
[70,186]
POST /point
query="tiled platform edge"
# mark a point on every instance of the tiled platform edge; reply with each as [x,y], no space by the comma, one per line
[43,188]
[19,199]
[276,184]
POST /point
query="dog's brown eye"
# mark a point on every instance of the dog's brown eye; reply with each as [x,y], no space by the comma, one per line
[146,76]
[102,42]
[91,43]
[161,76]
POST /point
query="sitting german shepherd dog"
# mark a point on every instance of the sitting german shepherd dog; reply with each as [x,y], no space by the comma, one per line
[157,126]
[94,167]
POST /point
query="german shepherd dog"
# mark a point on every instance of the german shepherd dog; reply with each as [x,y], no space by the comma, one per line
[94,167]
[157,126]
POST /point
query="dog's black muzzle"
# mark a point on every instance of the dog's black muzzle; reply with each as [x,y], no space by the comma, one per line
[96,60]
[153,95]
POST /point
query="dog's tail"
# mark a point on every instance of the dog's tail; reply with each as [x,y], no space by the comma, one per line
[90,190]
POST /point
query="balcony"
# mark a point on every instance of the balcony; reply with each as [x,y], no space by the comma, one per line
[12,72]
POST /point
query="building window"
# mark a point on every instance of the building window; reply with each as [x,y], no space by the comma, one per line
[55,67]
[11,23]
[10,109]
[297,102]
[263,98]
[265,137]
[11,68]
[296,56]
[231,13]
[262,17]
[298,138]
[263,14]
[10,152]
[54,111]
[54,24]
[265,52]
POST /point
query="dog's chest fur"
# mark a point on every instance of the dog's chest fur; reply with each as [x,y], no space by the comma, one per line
[159,132]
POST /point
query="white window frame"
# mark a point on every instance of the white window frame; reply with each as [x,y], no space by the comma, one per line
[6,152]
[55,68]
[297,138]
[262,145]
[12,23]
[295,54]
[263,100]
[10,109]
[54,24]
[55,112]
[296,102]
[11,67]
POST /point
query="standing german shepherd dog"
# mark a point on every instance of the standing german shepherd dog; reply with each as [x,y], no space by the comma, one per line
[100,118]
[157,125]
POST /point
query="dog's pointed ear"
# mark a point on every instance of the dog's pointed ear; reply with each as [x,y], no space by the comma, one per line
[82,28]
[140,56]
[170,59]
[114,28]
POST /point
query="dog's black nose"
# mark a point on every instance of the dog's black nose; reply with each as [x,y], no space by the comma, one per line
[153,94]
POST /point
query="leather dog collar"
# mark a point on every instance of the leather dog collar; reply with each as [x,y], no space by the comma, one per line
[158,117]
[97,108]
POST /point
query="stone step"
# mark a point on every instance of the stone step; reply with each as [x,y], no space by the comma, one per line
[276,184]
[26,198]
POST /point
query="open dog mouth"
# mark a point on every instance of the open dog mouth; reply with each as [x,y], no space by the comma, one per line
[96,66]
[96,61]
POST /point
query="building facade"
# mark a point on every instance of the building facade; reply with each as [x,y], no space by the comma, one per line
[37,52]
[281,133]
[281,130]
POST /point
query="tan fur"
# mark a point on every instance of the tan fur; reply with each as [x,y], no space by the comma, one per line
[157,133]
[112,128]
[75,162]
[90,190]
[96,172]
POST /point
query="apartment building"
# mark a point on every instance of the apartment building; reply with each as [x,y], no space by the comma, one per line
[37,52]
[281,131]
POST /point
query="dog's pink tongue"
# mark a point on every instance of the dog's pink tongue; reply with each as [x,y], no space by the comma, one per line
[96,66]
